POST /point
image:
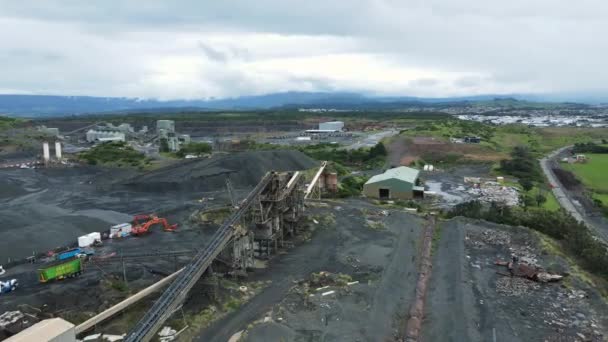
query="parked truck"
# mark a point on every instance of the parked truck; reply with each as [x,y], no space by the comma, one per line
[60,270]
[8,286]
[68,254]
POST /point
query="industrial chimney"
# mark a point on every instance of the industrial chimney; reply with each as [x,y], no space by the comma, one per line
[58,150]
[45,152]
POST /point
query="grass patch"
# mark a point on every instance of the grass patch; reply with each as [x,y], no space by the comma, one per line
[501,139]
[551,203]
[436,238]
[593,172]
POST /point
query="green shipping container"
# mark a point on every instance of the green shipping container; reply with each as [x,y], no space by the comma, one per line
[61,270]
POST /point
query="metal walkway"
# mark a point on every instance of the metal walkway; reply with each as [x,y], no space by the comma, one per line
[176,293]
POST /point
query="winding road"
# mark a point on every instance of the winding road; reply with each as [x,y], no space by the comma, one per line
[564,198]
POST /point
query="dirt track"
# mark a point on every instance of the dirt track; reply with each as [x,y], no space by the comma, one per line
[382,260]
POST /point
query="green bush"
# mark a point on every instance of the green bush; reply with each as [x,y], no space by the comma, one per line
[351,186]
[115,153]
[196,148]
[368,158]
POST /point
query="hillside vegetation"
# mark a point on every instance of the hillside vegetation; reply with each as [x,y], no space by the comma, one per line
[117,154]
[6,122]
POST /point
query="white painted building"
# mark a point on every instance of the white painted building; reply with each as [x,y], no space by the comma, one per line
[97,135]
[331,126]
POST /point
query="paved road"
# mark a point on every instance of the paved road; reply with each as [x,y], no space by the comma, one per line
[563,198]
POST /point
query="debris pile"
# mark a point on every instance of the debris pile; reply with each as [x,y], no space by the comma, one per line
[495,192]
[523,270]
[326,279]
[564,315]
[12,322]
[167,334]
[515,286]
[488,237]
[374,218]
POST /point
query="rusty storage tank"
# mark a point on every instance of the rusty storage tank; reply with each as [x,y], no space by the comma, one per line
[331,182]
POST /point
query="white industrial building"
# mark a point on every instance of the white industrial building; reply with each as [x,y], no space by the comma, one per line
[94,135]
[331,126]
[166,125]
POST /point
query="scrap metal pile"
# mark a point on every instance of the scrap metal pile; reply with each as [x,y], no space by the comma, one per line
[523,270]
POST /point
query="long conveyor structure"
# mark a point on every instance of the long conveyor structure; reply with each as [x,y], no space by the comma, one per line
[176,293]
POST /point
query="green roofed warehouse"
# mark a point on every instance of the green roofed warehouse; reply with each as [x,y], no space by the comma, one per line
[398,183]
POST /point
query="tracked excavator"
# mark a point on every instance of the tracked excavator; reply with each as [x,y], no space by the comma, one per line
[143,223]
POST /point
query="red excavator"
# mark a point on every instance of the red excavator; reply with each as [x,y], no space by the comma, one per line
[143,223]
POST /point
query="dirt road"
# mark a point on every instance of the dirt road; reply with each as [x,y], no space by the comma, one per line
[383,260]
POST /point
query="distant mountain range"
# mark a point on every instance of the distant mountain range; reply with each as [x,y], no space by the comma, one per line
[46,105]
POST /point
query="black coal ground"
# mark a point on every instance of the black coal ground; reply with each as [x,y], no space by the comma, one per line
[383,260]
[42,209]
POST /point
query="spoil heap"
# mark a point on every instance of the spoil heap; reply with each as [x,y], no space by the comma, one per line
[245,170]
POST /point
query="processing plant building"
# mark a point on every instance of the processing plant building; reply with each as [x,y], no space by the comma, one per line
[398,183]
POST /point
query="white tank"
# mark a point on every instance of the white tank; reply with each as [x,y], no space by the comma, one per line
[45,151]
[58,149]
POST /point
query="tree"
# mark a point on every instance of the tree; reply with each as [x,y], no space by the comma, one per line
[378,150]
[526,184]
[540,199]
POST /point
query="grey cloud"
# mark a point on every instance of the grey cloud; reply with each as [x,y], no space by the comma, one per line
[542,45]
[212,53]
[424,82]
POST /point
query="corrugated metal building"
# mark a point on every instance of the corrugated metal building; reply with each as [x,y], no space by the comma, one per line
[331,126]
[398,183]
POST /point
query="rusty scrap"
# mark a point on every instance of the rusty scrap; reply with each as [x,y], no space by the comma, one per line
[523,270]
[416,313]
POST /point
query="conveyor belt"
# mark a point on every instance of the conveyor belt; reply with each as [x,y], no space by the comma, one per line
[174,295]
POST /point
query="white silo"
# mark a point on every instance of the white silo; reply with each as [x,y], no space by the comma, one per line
[58,150]
[45,152]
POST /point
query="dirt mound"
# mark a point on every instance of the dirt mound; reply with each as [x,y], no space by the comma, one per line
[245,170]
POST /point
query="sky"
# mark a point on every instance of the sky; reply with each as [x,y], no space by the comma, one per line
[215,49]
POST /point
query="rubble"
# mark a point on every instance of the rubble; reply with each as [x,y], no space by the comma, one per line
[515,286]
[488,237]
[167,334]
[495,192]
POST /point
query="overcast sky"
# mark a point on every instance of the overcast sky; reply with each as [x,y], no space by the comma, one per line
[207,48]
